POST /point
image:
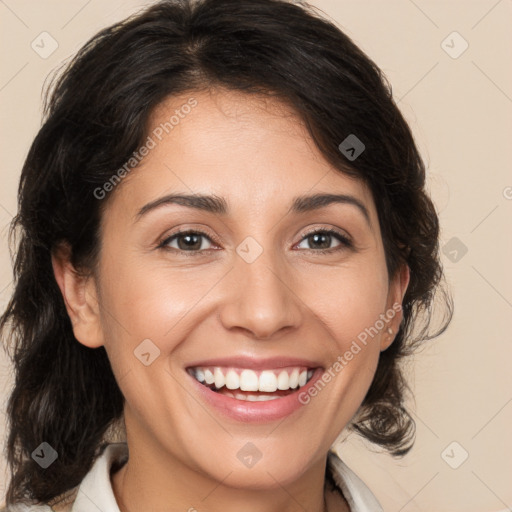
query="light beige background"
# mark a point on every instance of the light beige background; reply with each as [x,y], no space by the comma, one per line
[460,110]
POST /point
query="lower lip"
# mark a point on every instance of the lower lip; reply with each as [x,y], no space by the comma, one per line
[255,412]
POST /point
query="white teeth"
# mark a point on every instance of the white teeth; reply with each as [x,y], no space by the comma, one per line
[232,380]
[266,381]
[250,398]
[283,380]
[294,379]
[249,381]
[219,378]
[263,398]
[208,377]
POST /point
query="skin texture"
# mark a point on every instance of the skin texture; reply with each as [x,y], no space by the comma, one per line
[293,300]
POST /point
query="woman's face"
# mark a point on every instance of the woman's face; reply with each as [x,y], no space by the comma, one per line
[251,296]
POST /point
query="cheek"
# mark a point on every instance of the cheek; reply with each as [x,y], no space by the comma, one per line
[154,302]
[350,307]
[348,301]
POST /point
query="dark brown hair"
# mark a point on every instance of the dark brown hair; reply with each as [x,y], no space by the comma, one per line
[96,115]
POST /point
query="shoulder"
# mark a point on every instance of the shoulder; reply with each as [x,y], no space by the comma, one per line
[61,506]
[356,492]
[95,483]
[21,507]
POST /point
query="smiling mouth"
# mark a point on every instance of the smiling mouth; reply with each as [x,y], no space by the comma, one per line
[251,385]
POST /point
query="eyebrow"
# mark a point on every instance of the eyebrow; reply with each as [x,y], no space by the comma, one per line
[218,205]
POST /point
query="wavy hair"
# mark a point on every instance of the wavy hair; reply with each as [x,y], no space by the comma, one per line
[95,116]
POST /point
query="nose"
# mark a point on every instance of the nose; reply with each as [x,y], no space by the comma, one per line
[260,298]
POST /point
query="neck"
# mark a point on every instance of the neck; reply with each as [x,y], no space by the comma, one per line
[152,479]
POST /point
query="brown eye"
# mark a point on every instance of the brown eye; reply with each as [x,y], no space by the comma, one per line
[189,241]
[323,238]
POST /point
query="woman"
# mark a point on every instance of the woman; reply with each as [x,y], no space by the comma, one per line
[225,250]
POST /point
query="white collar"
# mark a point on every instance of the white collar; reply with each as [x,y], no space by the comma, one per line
[355,491]
[96,488]
[95,492]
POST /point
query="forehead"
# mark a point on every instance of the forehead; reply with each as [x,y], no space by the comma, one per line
[253,150]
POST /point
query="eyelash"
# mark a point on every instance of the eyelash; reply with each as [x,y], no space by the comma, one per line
[346,243]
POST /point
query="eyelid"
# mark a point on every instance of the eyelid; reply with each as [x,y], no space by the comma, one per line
[330,230]
[198,231]
[343,238]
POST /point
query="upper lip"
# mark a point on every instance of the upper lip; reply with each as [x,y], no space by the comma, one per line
[256,363]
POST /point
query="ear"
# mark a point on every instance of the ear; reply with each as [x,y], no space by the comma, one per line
[80,297]
[397,288]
